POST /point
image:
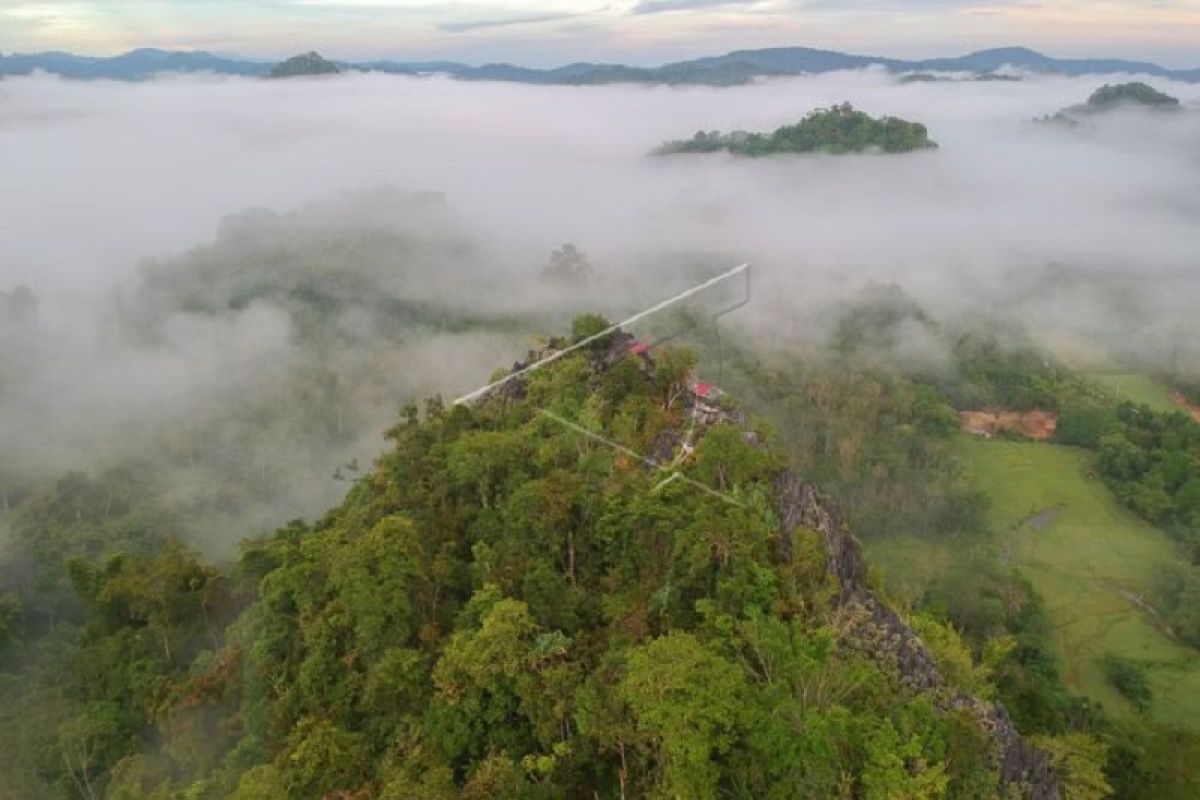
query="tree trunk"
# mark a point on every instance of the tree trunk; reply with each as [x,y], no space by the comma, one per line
[623,772]
[571,555]
[79,776]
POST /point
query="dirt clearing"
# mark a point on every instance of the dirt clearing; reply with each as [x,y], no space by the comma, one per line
[1038,425]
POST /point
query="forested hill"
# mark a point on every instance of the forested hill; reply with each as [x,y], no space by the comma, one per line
[508,606]
[1121,96]
[836,130]
[304,65]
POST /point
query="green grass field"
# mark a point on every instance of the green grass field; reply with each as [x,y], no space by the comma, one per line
[1135,388]
[1089,562]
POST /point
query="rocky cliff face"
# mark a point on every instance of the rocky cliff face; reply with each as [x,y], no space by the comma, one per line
[878,630]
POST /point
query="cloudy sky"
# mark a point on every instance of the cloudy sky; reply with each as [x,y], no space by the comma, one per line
[542,32]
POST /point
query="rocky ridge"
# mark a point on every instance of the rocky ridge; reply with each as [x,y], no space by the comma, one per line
[878,631]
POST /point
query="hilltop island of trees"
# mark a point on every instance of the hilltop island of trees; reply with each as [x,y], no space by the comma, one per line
[836,130]
[310,63]
[1110,97]
[1136,94]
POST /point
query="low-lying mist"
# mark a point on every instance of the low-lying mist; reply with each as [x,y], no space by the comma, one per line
[202,247]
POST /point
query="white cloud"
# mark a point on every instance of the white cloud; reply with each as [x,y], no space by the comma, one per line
[99,176]
[663,6]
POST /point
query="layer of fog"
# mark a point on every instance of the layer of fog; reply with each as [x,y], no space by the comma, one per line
[99,175]
[1089,235]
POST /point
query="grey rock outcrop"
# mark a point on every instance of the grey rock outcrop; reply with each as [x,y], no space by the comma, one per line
[879,631]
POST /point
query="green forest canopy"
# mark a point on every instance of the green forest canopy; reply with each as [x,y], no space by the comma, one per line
[310,63]
[836,130]
[1110,97]
[503,608]
[1135,93]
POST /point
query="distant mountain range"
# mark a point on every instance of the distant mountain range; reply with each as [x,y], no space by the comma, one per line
[730,69]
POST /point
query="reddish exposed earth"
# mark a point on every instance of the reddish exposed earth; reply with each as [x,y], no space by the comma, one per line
[1186,405]
[1035,424]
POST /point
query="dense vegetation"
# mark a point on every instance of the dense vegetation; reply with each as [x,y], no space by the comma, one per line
[1110,97]
[883,441]
[1135,93]
[503,608]
[297,331]
[324,304]
[304,64]
[1151,460]
[835,130]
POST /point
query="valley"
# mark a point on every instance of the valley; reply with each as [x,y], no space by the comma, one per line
[1091,560]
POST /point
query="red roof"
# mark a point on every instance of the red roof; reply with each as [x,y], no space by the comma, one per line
[701,389]
[637,348]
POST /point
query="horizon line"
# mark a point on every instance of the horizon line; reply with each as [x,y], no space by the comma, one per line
[253,59]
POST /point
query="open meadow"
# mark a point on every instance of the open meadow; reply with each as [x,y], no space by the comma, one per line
[1090,559]
[1136,388]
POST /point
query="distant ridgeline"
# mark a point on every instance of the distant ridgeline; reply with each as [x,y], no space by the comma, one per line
[731,69]
[1110,97]
[836,130]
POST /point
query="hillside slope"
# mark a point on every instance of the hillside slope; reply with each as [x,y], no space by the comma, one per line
[511,606]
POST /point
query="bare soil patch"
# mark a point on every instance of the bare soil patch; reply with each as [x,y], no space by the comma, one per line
[1188,406]
[1039,425]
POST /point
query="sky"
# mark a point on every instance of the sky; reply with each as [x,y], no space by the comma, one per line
[549,32]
